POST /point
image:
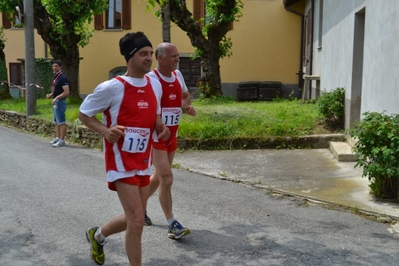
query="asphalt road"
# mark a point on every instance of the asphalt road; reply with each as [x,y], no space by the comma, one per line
[50,196]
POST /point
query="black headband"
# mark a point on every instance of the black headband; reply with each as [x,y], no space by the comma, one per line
[133,47]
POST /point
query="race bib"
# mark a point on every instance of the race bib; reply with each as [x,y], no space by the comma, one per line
[171,116]
[136,139]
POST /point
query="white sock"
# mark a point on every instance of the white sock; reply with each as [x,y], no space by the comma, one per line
[99,236]
[170,220]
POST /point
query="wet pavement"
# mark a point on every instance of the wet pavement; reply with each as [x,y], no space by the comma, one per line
[314,174]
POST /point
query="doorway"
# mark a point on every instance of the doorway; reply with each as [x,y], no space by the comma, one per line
[353,104]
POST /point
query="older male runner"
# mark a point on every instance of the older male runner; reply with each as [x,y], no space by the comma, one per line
[174,96]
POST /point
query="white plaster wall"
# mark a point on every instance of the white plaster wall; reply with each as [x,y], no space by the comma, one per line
[381,53]
[337,48]
[380,84]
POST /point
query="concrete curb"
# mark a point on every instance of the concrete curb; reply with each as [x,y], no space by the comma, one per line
[381,217]
[300,142]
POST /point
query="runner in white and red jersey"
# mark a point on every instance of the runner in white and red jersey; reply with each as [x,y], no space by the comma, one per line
[175,95]
[130,105]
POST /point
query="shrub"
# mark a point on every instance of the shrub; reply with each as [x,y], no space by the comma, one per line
[331,105]
[377,149]
[44,76]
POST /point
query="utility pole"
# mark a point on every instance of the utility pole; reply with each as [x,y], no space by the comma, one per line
[31,93]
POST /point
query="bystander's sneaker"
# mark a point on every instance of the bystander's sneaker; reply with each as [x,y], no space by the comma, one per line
[54,141]
[97,252]
[176,230]
[147,220]
[59,143]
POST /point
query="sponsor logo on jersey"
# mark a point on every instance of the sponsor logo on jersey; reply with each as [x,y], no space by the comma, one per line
[140,91]
[175,110]
[142,104]
[142,132]
[170,85]
[172,96]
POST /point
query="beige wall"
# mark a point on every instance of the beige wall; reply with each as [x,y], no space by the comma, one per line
[102,54]
[266,44]
[15,46]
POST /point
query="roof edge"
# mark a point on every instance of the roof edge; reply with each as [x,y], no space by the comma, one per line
[290,2]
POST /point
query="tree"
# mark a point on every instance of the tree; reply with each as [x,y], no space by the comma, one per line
[207,35]
[164,15]
[4,88]
[64,26]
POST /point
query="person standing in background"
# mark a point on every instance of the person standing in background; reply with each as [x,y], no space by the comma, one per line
[60,90]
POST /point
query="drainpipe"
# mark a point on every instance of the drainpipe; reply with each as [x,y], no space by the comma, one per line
[300,72]
[311,44]
[45,50]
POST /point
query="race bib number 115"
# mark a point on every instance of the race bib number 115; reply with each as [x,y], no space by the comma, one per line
[171,116]
[136,140]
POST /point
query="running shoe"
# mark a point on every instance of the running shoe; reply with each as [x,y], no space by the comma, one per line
[97,253]
[59,143]
[54,141]
[177,231]
[147,220]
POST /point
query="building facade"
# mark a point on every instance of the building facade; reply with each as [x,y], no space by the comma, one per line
[352,44]
[265,46]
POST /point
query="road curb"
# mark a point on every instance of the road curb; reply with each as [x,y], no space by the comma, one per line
[301,142]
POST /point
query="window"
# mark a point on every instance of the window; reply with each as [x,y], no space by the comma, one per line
[117,16]
[117,71]
[114,14]
[199,11]
[17,21]
[15,73]
[6,22]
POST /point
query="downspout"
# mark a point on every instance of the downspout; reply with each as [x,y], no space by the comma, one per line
[300,72]
[311,44]
[45,50]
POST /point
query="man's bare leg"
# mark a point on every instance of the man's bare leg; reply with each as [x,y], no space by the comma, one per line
[131,200]
[163,173]
[62,131]
[57,131]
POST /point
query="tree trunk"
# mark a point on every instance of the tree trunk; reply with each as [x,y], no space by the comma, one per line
[210,83]
[210,54]
[165,13]
[70,67]
[4,87]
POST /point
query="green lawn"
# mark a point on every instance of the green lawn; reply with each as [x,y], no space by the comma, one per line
[220,118]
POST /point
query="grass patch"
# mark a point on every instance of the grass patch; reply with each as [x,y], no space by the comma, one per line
[219,118]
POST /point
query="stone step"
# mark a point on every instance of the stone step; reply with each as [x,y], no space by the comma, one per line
[342,151]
